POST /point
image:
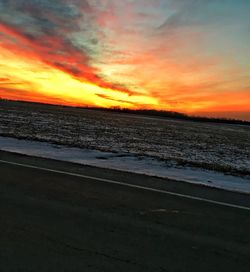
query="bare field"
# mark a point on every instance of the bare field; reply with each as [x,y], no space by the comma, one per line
[220,147]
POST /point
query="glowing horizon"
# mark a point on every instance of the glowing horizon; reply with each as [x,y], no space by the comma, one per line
[181,55]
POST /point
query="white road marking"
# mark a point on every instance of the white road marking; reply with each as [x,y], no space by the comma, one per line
[128,185]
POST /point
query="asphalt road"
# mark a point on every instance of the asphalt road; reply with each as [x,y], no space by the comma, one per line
[61,220]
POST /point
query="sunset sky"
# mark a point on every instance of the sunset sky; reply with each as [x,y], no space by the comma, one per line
[190,56]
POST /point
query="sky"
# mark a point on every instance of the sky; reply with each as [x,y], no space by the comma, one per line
[191,56]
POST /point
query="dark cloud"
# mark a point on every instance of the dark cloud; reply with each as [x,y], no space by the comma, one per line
[38,18]
[115,100]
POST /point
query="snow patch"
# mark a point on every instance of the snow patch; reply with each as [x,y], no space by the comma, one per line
[125,162]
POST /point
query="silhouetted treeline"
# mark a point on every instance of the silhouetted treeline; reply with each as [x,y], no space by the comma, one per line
[142,112]
[174,115]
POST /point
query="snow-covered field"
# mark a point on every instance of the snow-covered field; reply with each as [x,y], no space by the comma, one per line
[220,147]
[212,154]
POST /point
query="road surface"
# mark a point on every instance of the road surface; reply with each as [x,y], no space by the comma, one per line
[57,216]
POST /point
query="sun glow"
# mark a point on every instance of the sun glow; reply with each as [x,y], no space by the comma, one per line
[40,79]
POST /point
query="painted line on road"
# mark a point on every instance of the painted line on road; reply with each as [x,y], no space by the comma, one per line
[127,185]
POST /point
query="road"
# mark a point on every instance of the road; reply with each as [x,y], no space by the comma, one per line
[57,216]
